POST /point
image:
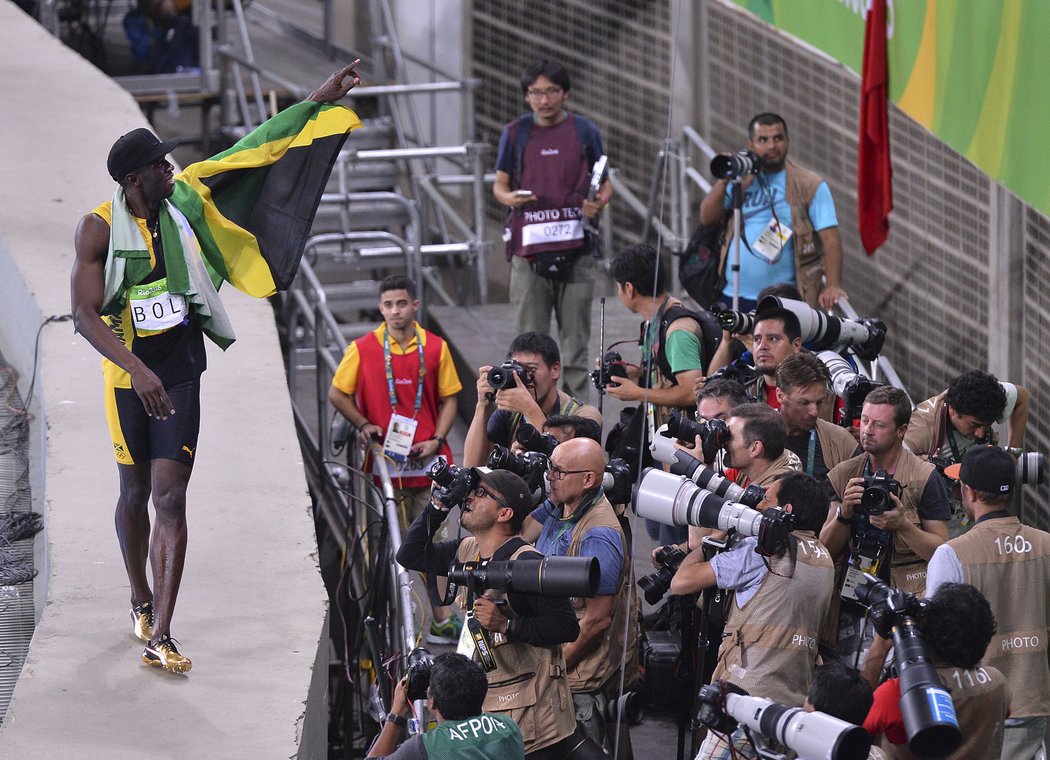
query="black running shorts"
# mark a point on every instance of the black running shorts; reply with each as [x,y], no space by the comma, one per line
[137,437]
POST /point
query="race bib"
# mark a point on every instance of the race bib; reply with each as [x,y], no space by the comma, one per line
[399,436]
[563,231]
[771,242]
[155,310]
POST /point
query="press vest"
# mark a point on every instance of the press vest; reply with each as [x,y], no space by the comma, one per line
[595,670]
[1010,564]
[928,429]
[529,684]
[981,699]
[373,394]
[800,187]
[482,737]
[836,443]
[769,647]
[907,569]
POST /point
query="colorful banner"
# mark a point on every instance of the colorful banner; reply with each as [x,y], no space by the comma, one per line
[972,72]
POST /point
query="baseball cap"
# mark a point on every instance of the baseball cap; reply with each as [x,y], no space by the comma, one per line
[137,148]
[987,468]
[510,487]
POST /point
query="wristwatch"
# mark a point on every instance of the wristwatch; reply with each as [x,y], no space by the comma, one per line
[398,720]
[840,518]
[441,441]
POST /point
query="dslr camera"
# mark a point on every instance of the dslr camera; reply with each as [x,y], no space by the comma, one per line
[926,706]
[532,439]
[455,484]
[418,674]
[530,466]
[876,497]
[502,377]
[655,585]
[714,434]
[611,365]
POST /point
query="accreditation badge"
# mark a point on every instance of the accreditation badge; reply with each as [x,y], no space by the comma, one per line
[770,244]
[400,433]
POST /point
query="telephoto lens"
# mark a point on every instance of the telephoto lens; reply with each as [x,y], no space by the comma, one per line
[550,576]
[735,166]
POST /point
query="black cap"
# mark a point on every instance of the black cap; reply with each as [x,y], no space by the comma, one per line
[510,487]
[986,468]
[136,149]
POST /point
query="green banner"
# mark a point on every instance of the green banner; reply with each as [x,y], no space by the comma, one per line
[973,72]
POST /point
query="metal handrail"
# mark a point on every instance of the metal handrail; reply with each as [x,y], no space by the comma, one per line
[402,583]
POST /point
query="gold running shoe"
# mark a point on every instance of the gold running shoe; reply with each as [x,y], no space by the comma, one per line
[142,620]
[163,654]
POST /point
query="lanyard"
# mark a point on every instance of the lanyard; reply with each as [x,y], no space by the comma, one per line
[568,522]
[390,372]
[811,451]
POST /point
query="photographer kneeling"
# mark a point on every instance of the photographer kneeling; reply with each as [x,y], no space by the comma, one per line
[455,697]
[524,631]
[770,642]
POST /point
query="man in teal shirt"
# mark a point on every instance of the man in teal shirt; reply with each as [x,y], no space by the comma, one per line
[457,691]
[672,351]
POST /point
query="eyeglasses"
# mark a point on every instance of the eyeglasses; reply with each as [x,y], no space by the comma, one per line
[483,492]
[550,92]
[557,473]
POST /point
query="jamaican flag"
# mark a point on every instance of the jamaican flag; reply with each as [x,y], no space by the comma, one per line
[251,206]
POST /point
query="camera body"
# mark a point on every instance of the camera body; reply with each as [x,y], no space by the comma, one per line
[533,440]
[455,483]
[714,434]
[530,466]
[418,674]
[617,482]
[734,167]
[611,365]
[655,585]
[502,377]
[876,497]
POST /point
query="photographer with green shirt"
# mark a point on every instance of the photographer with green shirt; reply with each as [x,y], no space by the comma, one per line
[672,351]
[455,696]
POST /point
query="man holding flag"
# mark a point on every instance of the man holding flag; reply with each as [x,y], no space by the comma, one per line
[144,293]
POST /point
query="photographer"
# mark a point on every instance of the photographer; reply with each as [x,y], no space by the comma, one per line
[770,642]
[790,230]
[455,698]
[896,543]
[957,626]
[526,630]
[716,398]
[802,387]
[1008,563]
[756,451]
[578,521]
[673,344]
[944,427]
[499,413]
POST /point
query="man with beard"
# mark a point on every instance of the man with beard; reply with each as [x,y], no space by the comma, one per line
[895,540]
[790,231]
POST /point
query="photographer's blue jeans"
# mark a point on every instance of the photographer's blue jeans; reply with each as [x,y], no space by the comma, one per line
[534,298]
